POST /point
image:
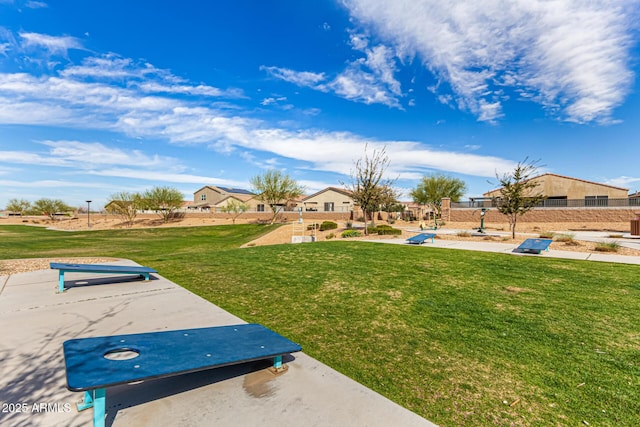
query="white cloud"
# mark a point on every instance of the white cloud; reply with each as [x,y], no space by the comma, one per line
[300,78]
[114,99]
[54,45]
[624,182]
[369,80]
[570,54]
[31,4]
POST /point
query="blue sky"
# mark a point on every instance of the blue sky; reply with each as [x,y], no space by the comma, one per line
[102,97]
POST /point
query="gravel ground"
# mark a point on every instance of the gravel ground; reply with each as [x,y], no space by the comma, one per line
[15,266]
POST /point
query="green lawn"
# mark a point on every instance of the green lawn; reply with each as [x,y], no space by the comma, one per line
[461,338]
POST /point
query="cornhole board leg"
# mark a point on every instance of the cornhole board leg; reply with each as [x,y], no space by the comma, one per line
[95,399]
[60,281]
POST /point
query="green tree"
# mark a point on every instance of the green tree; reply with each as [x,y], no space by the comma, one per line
[235,208]
[433,188]
[389,201]
[125,205]
[275,189]
[18,206]
[518,194]
[49,207]
[165,201]
[367,186]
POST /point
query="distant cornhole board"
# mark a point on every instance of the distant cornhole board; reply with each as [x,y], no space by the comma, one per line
[421,238]
[534,246]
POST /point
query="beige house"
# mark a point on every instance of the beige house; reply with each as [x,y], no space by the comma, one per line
[211,198]
[331,199]
[561,188]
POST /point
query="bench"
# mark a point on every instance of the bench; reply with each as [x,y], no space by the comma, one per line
[421,238]
[93,364]
[97,268]
[534,246]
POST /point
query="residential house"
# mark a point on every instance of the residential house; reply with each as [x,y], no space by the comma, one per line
[211,198]
[330,199]
[558,189]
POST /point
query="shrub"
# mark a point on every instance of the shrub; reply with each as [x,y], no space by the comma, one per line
[547,235]
[384,229]
[463,234]
[389,231]
[607,246]
[351,233]
[312,226]
[566,238]
[330,236]
[328,225]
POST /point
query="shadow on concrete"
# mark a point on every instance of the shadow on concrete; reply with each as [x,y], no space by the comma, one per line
[68,284]
[126,396]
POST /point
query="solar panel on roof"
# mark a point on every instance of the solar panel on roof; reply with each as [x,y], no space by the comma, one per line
[235,190]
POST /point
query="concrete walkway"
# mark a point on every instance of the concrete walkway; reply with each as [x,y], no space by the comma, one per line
[36,321]
[507,248]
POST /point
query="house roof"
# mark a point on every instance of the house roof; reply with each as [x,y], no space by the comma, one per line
[335,189]
[565,177]
[229,190]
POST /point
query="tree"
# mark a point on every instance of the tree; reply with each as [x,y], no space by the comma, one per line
[235,208]
[275,189]
[49,207]
[389,201]
[125,205]
[518,193]
[164,201]
[367,187]
[18,206]
[433,188]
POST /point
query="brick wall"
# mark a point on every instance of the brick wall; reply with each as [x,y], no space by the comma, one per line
[587,215]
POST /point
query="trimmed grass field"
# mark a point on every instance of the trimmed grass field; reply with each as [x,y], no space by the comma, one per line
[462,338]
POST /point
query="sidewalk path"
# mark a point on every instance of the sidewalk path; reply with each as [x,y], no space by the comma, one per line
[508,248]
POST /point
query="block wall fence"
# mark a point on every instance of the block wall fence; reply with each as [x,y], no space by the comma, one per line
[587,215]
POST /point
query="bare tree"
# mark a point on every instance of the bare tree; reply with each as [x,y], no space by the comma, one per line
[367,186]
[518,194]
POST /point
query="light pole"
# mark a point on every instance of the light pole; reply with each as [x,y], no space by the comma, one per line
[88,213]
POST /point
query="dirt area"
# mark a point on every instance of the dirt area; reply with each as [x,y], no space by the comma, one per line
[284,233]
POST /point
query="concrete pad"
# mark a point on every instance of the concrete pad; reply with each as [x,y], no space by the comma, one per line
[36,321]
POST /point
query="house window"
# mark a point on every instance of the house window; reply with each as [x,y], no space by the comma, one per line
[328,207]
[260,208]
[203,197]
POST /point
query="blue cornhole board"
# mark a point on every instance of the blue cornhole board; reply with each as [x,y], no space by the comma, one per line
[421,238]
[164,354]
[534,246]
[97,268]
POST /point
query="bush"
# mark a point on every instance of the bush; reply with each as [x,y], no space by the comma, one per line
[566,238]
[330,236]
[351,233]
[328,225]
[384,229]
[607,246]
[313,226]
[547,235]
[463,234]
